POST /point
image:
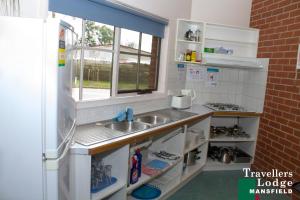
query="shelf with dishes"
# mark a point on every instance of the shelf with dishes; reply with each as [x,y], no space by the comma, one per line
[152,169]
[189,62]
[99,176]
[229,46]
[158,188]
[195,145]
[233,129]
[189,42]
[195,137]
[229,155]
[194,161]
[231,133]
[221,60]
[106,177]
[159,157]
[231,139]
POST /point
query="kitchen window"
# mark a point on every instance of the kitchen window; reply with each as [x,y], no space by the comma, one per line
[138,62]
[109,61]
[97,60]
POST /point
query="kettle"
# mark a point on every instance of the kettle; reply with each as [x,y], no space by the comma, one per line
[190,93]
[226,155]
[184,100]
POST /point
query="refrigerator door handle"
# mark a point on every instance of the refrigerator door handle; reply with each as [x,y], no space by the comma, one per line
[53,163]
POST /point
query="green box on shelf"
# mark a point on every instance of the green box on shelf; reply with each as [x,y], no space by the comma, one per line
[209,50]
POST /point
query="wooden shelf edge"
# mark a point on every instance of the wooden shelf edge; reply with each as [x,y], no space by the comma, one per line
[137,137]
[235,114]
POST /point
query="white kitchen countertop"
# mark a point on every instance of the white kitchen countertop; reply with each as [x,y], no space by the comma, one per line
[199,109]
[82,149]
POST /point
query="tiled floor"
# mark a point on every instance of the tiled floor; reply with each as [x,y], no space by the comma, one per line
[219,185]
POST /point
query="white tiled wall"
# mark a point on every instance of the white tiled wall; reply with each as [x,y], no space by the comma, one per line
[238,86]
[94,114]
[254,88]
[228,89]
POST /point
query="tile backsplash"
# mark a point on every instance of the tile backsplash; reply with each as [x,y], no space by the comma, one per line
[100,113]
[238,86]
[245,87]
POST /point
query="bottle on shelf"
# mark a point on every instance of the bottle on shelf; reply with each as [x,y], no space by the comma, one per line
[139,162]
[193,56]
[198,35]
[188,55]
[134,176]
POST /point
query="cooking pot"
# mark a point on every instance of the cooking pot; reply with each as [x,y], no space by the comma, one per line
[225,155]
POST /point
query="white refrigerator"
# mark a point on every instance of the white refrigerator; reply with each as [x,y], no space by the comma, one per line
[37,112]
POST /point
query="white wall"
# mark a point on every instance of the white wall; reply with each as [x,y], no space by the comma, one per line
[33,8]
[230,12]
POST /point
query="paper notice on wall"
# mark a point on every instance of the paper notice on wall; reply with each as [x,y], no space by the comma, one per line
[181,72]
[212,76]
[195,73]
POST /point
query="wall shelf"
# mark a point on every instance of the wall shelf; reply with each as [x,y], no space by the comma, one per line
[189,62]
[242,41]
[231,41]
[190,42]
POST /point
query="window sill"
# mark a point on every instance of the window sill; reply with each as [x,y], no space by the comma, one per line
[129,98]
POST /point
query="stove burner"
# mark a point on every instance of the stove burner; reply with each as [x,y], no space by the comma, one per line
[225,107]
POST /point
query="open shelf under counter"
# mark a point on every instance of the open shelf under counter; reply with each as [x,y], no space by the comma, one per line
[192,170]
[194,146]
[164,193]
[146,178]
[107,191]
[231,139]
[214,165]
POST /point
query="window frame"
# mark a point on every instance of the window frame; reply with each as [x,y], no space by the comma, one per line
[139,54]
[114,91]
[84,47]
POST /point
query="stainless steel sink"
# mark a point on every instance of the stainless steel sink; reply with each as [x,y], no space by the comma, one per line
[153,119]
[127,127]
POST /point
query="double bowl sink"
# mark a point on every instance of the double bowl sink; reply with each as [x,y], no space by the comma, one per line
[139,124]
[88,134]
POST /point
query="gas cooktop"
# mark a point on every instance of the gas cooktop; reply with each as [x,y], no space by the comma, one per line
[225,107]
